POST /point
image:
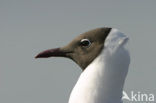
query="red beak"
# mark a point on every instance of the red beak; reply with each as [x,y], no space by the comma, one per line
[57,52]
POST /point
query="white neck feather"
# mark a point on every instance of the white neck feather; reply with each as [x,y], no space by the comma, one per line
[103,80]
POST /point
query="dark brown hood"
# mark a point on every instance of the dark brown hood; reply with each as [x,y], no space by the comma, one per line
[79,50]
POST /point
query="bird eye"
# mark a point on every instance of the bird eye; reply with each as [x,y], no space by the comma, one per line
[85,43]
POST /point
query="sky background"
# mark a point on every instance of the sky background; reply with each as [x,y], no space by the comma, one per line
[29,26]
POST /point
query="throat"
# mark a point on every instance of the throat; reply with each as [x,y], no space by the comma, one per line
[101,82]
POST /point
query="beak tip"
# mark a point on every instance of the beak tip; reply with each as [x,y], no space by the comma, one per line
[40,56]
[44,54]
[36,57]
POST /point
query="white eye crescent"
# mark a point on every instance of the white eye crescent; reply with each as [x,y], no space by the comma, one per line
[85,42]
